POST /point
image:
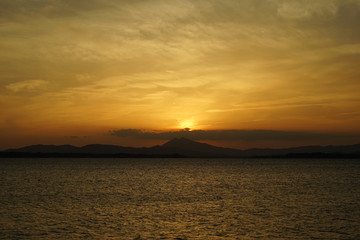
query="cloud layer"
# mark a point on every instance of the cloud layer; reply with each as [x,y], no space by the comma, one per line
[288,65]
[243,135]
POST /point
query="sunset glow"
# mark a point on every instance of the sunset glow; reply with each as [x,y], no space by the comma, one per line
[72,71]
[187,124]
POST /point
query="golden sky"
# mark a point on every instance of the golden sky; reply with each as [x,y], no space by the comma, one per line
[247,72]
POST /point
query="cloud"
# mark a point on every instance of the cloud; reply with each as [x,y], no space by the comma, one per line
[244,135]
[262,64]
[23,9]
[28,85]
[303,9]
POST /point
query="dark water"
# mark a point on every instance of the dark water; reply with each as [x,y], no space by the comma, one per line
[179,199]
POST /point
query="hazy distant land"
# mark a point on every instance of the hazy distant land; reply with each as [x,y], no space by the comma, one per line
[179,148]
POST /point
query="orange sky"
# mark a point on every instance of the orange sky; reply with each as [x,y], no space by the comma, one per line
[76,71]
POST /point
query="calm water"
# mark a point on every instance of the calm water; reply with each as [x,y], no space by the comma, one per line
[179,199]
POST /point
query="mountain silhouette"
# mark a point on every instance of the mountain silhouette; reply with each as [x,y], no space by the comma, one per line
[179,147]
[192,148]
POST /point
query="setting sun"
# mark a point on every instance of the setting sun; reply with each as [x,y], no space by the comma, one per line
[187,124]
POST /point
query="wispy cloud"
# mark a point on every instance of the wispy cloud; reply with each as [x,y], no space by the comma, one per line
[306,9]
[28,85]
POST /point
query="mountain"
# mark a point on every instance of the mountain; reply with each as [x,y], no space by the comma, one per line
[45,148]
[191,148]
[179,147]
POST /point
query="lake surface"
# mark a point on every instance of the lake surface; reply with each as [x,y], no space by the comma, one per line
[180,199]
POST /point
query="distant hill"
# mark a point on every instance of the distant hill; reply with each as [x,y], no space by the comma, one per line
[306,150]
[188,147]
[179,147]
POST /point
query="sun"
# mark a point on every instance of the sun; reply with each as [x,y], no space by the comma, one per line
[187,124]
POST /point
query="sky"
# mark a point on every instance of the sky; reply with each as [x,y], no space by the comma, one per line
[235,73]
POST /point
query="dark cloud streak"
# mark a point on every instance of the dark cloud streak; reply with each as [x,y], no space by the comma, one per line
[244,135]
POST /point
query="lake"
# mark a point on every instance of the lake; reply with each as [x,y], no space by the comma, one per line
[179,199]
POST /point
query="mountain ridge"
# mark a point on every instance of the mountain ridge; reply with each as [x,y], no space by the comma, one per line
[185,148]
